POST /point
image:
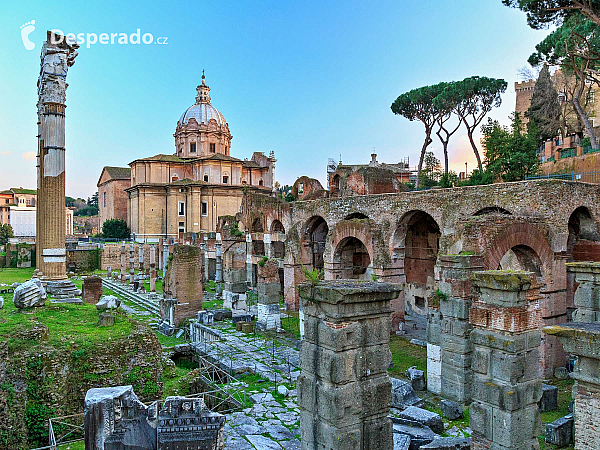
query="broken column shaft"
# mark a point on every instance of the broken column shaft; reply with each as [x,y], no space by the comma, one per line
[344,391]
[123,263]
[152,269]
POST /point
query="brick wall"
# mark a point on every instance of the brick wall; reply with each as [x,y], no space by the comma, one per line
[183,281]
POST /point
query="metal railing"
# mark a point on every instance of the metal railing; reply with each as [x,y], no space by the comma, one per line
[583,177]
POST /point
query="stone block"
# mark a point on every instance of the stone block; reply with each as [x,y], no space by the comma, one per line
[106,320]
[457,308]
[108,302]
[452,410]
[516,429]
[515,367]
[508,397]
[480,360]
[561,431]
[424,417]
[506,342]
[417,378]
[403,395]
[247,327]
[448,443]
[347,335]
[480,419]
[434,368]
[418,435]
[561,373]
[587,296]
[92,290]
[401,441]
[549,401]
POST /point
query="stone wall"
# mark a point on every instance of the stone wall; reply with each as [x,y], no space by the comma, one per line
[183,281]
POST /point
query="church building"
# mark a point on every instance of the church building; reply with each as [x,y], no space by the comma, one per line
[175,195]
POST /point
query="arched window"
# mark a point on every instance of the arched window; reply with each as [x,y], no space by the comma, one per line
[260,182]
[206,178]
[225,177]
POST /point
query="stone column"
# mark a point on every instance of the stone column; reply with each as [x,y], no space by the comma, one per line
[504,413]
[583,340]
[587,295]
[219,264]
[123,263]
[108,272]
[152,268]
[454,275]
[165,257]
[131,263]
[205,259]
[56,58]
[141,259]
[344,391]
[267,241]
[249,260]
[268,295]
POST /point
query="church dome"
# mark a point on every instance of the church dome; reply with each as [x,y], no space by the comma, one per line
[202,111]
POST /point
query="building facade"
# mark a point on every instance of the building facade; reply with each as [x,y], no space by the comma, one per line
[112,198]
[174,195]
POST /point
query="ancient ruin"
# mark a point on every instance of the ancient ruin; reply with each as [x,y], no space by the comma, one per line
[57,56]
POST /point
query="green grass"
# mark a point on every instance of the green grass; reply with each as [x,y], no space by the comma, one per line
[169,341]
[213,304]
[564,398]
[405,355]
[291,324]
[68,325]
[9,276]
[159,286]
[79,445]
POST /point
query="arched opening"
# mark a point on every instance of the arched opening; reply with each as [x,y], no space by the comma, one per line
[335,184]
[414,252]
[257,226]
[351,259]
[356,215]
[582,243]
[277,227]
[258,245]
[492,210]
[315,235]
[521,257]
[260,182]
[277,237]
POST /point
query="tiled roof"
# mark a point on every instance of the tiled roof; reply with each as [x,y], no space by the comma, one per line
[167,158]
[219,157]
[118,172]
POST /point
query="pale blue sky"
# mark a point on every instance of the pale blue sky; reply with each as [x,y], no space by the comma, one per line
[308,80]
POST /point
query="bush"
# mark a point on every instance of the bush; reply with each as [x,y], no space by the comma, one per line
[115,229]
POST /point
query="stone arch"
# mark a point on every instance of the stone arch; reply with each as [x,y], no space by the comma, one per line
[277,238]
[492,210]
[521,257]
[520,235]
[257,226]
[356,215]
[414,250]
[258,245]
[314,237]
[277,227]
[336,184]
[351,260]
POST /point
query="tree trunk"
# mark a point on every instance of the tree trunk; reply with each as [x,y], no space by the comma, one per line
[423,150]
[584,118]
[470,134]
[445,157]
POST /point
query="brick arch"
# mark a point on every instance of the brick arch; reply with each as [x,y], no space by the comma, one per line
[516,234]
[343,230]
[398,233]
[308,227]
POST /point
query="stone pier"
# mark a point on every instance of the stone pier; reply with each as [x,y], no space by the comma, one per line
[182,285]
[165,257]
[249,277]
[56,58]
[141,259]
[344,391]
[454,275]
[269,290]
[131,264]
[219,264]
[587,295]
[583,340]
[504,413]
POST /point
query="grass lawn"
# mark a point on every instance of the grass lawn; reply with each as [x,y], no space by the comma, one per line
[291,323]
[69,325]
[405,355]
[9,276]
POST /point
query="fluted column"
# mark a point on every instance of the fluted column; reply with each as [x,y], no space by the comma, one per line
[51,219]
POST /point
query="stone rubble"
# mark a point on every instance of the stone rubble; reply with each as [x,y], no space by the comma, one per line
[29,294]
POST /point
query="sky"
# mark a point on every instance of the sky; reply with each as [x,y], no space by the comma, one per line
[307,80]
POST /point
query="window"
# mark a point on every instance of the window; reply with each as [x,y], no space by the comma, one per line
[260,182]
[300,188]
[174,177]
[213,148]
[192,147]
[105,199]
[206,178]
[181,208]
[225,179]
[204,209]
[181,227]
[591,97]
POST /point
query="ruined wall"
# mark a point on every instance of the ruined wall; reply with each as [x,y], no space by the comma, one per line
[183,281]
